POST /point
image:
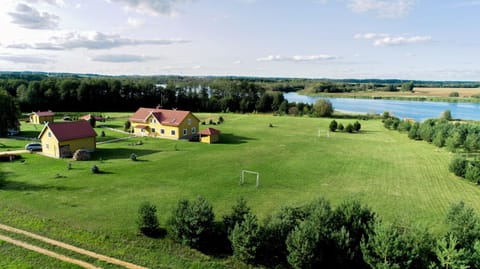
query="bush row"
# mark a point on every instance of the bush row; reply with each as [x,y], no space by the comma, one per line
[317,235]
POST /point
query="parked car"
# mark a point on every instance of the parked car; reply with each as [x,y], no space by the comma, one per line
[11,132]
[33,146]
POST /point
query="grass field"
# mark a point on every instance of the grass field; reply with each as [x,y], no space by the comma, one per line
[297,162]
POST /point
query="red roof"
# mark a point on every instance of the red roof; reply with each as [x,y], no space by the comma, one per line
[164,116]
[88,116]
[44,113]
[64,131]
[209,131]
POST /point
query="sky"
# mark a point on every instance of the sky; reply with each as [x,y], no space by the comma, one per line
[401,39]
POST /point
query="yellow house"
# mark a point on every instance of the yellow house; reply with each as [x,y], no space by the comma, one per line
[164,123]
[61,139]
[209,135]
[41,117]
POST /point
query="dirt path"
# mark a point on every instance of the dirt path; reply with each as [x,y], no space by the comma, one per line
[14,152]
[70,247]
[47,252]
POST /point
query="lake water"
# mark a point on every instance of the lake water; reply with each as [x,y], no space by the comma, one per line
[418,110]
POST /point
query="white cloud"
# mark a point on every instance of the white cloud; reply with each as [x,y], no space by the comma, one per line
[28,17]
[391,40]
[93,41]
[370,36]
[135,22]
[158,7]
[237,62]
[395,41]
[297,58]
[383,8]
[26,59]
[121,58]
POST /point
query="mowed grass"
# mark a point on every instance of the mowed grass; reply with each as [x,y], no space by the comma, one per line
[396,177]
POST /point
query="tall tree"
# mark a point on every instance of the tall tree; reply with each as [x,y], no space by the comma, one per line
[9,112]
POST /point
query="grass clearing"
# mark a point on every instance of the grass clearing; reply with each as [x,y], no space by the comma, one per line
[395,176]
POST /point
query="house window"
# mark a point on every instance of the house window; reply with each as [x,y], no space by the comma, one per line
[46,146]
[172,132]
[152,120]
[49,134]
[184,131]
[189,121]
[162,131]
[153,130]
[194,130]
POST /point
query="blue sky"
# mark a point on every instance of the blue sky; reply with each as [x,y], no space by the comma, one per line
[405,39]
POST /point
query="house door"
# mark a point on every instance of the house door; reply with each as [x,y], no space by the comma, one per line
[65,151]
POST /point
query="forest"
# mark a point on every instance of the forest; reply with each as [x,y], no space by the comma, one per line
[76,92]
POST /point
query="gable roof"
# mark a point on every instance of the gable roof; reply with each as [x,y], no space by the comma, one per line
[209,131]
[164,116]
[70,130]
[44,113]
[88,116]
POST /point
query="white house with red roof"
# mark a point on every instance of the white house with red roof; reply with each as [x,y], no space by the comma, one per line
[61,139]
[41,117]
[164,123]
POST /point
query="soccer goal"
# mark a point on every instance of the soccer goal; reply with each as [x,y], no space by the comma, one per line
[242,177]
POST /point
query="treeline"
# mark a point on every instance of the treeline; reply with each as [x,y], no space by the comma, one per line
[318,235]
[345,87]
[127,94]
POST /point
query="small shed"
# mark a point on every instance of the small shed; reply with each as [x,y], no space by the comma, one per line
[209,135]
[41,117]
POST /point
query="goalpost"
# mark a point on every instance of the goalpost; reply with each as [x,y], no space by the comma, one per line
[242,177]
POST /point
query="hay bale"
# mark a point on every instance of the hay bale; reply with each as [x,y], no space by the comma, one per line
[81,155]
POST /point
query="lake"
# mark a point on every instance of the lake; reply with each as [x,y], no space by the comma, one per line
[418,110]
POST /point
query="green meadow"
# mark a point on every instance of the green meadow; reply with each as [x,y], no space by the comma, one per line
[298,161]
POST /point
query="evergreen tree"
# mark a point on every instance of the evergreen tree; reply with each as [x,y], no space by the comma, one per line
[245,238]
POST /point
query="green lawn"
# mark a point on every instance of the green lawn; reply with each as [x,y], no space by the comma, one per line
[297,162]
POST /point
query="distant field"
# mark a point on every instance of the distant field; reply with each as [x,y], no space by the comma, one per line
[418,92]
[297,162]
[444,92]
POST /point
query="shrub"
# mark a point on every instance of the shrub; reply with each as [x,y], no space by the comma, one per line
[95,169]
[349,128]
[133,157]
[220,119]
[446,115]
[237,216]
[127,125]
[273,248]
[323,108]
[340,127]
[454,94]
[333,126]
[472,172]
[102,134]
[357,126]
[192,222]
[458,166]
[147,219]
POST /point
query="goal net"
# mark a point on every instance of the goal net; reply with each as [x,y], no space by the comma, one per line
[247,172]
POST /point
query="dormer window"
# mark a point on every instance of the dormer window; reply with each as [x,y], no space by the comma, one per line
[152,120]
[189,121]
